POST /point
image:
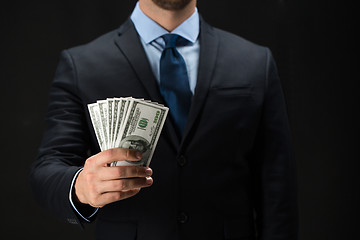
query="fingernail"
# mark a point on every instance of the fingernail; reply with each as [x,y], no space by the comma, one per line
[148,172]
[149,181]
[138,155]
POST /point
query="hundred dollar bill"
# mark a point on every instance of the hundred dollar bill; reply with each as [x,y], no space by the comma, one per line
[96,121]
[114,120]
[141,130]
[103,107]
[120,115]
[110,103]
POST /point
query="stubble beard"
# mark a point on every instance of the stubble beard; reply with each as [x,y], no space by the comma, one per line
[172,5]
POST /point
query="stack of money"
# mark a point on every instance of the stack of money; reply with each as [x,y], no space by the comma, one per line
[128,123]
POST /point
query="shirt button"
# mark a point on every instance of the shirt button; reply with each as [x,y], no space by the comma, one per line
[182,218]
[181,160]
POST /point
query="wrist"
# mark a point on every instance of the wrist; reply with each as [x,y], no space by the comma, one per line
[77,197]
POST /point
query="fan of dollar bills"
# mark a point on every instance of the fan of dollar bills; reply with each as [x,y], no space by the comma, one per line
[128,123]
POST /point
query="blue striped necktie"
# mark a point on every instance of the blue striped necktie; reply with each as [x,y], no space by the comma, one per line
[174,81]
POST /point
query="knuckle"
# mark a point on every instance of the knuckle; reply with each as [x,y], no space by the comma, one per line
[90,178]
[122,185]
[124,152]
[109,153]
[139,171]
[118,185]
[89,162]
[127,153]
[121,171]
[117,196]
[92,192]
[93,202]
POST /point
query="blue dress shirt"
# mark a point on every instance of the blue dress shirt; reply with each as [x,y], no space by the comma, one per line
[150,34]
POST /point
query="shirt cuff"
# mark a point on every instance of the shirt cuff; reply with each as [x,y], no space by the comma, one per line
[87,219]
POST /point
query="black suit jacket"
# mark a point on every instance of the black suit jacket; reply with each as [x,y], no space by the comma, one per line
[232,176]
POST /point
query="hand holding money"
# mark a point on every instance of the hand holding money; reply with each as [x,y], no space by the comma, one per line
[127,131]
[98,184]
[128,123]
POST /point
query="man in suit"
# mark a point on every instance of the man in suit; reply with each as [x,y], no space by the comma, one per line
[227,173]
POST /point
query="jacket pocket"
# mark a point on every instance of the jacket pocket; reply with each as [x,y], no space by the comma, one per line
[122,230]
[232,91]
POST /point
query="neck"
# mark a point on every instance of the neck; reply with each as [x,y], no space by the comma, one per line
[168,19]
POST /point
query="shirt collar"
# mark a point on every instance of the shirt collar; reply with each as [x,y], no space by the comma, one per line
[149,30]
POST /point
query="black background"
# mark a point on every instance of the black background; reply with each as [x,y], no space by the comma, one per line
[312,42]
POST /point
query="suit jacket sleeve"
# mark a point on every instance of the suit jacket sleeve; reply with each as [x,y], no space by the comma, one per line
[274,168]
[64,145]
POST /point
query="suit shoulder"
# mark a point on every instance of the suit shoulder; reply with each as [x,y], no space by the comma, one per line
[100,43]
[233,43]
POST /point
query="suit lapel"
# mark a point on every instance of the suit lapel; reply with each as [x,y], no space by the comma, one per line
[129,44]
[208,52]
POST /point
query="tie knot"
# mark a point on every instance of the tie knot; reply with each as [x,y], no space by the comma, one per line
[170,40]
[173,40]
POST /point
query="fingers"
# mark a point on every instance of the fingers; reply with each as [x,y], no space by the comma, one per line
[111,173]
[116,154]
[124,184]
[117,190]
[100,193]
[98,185]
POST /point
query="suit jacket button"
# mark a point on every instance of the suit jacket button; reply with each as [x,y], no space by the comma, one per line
[181,160]
[72,221]
[182,218]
